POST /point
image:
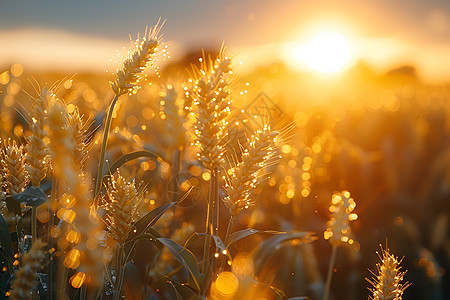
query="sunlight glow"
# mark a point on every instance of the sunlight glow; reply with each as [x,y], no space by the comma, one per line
[327,52]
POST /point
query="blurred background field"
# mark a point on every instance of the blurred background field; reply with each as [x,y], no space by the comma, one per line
[378,126]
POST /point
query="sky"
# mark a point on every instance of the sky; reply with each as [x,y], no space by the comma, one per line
[85,34]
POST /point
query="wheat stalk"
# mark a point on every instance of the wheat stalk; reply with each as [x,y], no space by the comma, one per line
[25,277]
[338,230]
[86,254]
[387,283]
[128,76]
[13,168]
[210,93]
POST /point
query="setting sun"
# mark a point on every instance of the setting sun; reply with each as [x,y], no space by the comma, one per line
[327,52]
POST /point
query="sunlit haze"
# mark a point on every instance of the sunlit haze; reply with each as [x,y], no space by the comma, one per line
[382,33]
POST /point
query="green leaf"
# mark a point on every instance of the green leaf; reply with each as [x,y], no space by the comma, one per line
[133,155]
[182,291]
[238,235]
[266,248]
[31,196]
[195,236]
[217,240]
[133,278]
[186,258]
[13,206]
[157,284]
[279,294]
[7,249]
[150,219]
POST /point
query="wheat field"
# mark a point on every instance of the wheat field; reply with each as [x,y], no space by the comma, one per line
[193,181]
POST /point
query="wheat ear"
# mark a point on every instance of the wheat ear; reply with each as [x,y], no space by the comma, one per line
[211,98]
[247,174]
[341,208]
[387,283]
[173,114]
[130,73]
[122,202]
[25,277]
[82,135]
[38,154]
[13,168]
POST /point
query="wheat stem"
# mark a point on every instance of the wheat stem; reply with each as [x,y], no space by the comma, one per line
[330,271]
[51,223]
[176,164]
[225,240]
[208,229]
[33,224]
[101,161]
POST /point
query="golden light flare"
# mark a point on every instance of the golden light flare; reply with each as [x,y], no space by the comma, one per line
[77,280]
[327,52]
[226,284]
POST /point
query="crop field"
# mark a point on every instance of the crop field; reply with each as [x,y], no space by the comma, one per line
[192,178]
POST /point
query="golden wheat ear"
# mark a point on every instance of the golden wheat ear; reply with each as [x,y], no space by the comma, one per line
[341,208]
[13,167]
[38,154]
[122,203]
[248,173]
[210,93]
[130,72]
[387,284]
[25,277]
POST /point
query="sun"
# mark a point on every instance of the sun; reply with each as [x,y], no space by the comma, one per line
[327,52]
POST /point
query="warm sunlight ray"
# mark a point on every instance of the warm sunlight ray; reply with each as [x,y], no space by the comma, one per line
[327,52]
